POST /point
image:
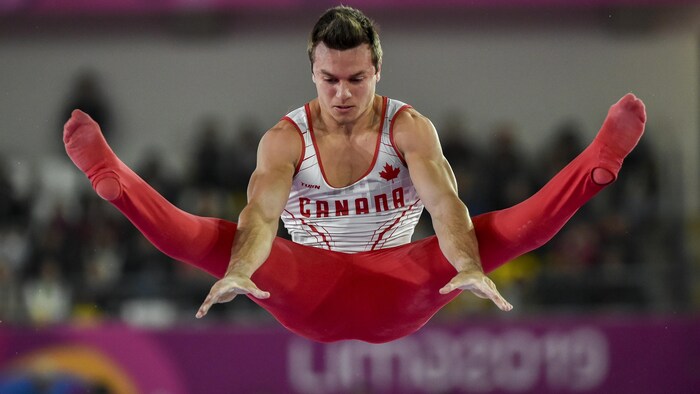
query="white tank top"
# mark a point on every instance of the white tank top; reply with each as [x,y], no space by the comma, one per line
[378,211]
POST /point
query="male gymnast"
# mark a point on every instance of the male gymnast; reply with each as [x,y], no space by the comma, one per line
[349,174]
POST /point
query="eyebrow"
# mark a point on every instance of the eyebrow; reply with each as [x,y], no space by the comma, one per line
[357,74]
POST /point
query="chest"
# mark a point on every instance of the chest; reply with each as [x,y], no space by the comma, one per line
[346,159]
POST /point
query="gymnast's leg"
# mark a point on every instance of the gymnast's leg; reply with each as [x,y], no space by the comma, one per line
[202,242]
[206,242]
[509,233]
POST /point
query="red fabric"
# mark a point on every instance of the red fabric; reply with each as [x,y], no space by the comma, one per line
[375,296]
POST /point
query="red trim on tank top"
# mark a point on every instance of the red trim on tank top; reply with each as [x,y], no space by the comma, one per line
[391,133]
[303,143]
[398,219]
[307,108]
[314,229]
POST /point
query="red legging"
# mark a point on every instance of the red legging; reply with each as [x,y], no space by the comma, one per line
[375,296]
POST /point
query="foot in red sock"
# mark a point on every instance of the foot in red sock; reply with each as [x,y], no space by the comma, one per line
[89,151]
[621,131]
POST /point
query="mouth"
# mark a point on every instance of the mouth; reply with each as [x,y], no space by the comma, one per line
[343,108]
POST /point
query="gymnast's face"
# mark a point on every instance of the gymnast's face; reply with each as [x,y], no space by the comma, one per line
[345,81]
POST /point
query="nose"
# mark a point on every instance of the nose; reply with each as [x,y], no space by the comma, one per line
[343,91]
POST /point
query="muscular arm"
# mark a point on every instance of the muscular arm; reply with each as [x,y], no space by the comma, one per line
[417,141]
[432,176]
[268,191]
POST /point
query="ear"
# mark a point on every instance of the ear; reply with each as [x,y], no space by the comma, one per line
[379,72]
[313,77]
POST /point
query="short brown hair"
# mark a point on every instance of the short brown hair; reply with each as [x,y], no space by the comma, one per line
[342,28]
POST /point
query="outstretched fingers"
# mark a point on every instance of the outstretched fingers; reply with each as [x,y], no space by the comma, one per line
[489,289]
[259,294]
[480,285]
[226,289]
[206,305]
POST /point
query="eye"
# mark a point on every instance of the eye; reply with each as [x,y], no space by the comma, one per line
[330,80]
[356,80]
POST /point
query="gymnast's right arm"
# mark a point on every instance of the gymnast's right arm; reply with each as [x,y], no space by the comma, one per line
[268,191]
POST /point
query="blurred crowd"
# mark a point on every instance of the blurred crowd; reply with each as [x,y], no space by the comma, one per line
[67,255]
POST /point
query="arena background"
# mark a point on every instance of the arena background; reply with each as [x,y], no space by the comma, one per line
[184,90]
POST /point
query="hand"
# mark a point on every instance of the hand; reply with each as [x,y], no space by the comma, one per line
[480,285]
[226,289]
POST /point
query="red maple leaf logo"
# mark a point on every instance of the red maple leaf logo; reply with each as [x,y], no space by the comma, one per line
[389,172]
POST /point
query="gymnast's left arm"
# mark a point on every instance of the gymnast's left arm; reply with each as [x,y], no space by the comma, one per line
[417,140]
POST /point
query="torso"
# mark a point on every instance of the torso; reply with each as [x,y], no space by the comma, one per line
[351,192]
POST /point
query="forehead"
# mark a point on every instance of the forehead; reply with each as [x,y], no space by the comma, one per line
[343,61]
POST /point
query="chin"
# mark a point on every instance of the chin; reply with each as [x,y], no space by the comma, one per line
[345,117]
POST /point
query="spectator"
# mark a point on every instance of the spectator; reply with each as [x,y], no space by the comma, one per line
[48,297]
[10,304]
[87,95]
[509,179]
[207,170]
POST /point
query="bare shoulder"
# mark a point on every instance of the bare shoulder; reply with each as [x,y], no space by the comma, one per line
[413,131]
[410,117]
[282,144]
[285,133]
